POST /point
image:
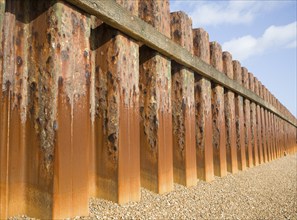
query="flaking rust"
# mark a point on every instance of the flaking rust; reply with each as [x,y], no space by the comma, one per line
[13,99]
[266,128]
[267,116]
[3,159]
[203,113]
[183,105]
[39,63]
[239,119]
[230,116]
[72,125]
[253,123]
[258,124]
[247,120]
[155,104]
[117,112]
[218,116]
[263,125]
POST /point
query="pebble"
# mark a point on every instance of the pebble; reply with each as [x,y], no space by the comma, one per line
[268,191]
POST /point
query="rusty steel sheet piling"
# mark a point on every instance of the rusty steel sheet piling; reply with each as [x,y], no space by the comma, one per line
[264,144]
[98,106]
[278,137]
[116,112]
[273,128]
[72,124]
[155,104]
[259,126]
[282,135]
[204,149]
[46,108]
[240,135]
[230,116]
[11,129]
[218,114]
[272,132]
[247,122]
[253,123]
[183,106]
[267,126]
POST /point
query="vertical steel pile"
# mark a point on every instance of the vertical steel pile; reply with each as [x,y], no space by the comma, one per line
[45,123]
[240,135]
[230,117]
[183,106]
[247,120]
[87,111]
[255,157]
[204,151]
[218,114]
[155,104]
[259,126]
[115,107]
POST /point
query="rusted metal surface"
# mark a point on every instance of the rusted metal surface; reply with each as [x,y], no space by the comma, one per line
[240,134]
[183,105]
[267,126]
[247,120]
[83,114]
[40,170]
[218,114]
[276,132]
[155,104]
[117,17]
[253,123]
[259,126]
[204,149]
[15,125]
[264,126]
[72,123]
[116,116]
[272,129]
[273,136]
[230,117]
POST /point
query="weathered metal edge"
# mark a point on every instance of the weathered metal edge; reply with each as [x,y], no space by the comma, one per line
[116,16]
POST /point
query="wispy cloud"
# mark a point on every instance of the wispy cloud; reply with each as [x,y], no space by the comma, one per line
[224,12]
[274,37]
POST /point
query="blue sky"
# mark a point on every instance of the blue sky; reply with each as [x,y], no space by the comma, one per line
[260,34]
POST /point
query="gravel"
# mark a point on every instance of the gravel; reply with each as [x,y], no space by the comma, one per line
[268,191]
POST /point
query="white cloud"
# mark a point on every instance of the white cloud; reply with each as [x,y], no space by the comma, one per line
[223,12]
[274,37]
[292,45]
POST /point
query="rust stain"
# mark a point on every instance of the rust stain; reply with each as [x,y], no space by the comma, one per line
[258,124]
[239,119]
[117,117]
[230,117]
[204,130]
[183,105]
[204,150]
[85,112]
[247,120]
[253,123]
[218,114]
[155,104]
[34,46]
[263,125]
[201,44]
